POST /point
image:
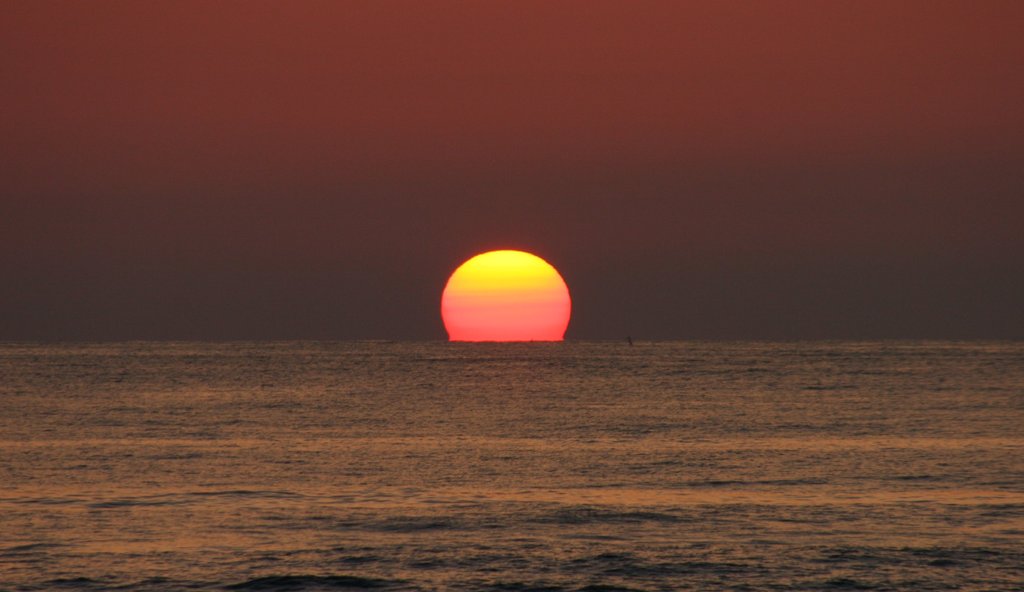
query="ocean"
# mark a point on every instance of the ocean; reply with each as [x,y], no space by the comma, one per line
[575,466]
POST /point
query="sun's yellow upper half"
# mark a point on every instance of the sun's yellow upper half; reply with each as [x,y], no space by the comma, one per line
[506,296]
[501,271]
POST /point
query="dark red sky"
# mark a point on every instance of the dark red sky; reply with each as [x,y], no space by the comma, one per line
[695,170]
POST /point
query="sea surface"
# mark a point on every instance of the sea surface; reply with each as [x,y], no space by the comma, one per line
[576,466]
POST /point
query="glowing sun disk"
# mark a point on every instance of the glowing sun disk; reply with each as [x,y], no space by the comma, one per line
[506,296]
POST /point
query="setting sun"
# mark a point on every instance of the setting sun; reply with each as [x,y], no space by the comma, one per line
[506,296]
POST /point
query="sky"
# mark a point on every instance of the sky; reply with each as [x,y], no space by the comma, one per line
[695,170]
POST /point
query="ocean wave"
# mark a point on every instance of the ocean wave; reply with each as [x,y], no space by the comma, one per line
[79,582]
[847,584]
[755,483]
[587,515]
[29,548]
[288,583]
[414,524]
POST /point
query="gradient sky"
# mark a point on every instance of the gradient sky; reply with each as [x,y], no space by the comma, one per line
[253,170]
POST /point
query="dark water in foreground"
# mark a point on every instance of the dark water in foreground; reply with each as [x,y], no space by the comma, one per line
[561,467]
